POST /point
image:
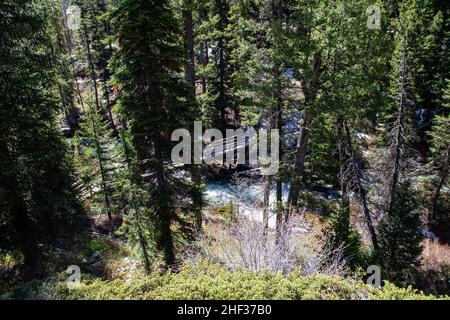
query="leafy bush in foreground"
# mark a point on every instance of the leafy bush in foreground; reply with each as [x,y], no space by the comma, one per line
[207,281]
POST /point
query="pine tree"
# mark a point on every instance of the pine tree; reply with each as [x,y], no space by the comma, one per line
[427,24]
[38,205]
[97,159]
[216,68]
[440,154]
[399,147]
[400,236]
[187,8]
[342,236]
[154,101]
[65,80]
[352,93]
[95,49]
[261,51]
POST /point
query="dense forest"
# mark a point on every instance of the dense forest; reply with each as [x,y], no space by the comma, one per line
[92,93]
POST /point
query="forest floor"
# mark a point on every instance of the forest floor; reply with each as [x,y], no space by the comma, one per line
[111,267]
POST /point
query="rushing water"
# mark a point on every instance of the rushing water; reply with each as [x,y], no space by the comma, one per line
[247,196]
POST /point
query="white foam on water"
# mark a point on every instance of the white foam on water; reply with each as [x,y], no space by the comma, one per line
[246,198]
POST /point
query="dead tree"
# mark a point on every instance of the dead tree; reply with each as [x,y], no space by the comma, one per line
[355,176]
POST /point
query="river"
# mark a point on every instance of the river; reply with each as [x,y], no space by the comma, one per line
[247,196]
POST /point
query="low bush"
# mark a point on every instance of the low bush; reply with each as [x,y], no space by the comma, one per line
[210,281]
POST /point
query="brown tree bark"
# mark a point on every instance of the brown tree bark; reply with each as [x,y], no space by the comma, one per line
[163,207]
[92,68]
[68,36]
[189,76]
[342,158]
[266,204]
[204,56]
[310,92]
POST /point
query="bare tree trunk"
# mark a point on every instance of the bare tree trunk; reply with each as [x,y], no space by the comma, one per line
[360,190]
[106,75]
[277,115]
[189,73]
[222,66]
[342,158]
[222,99]
[164,209]
[142,242]
[69,44]
[303,135]
[70,110]
[92,68]
[299,162]
[109,104]
[204,56]
[279,184]
[266,204]
[189,76]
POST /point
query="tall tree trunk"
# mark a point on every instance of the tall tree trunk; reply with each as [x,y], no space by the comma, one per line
[99,153]
[399,138]
[136,214]
[222,98]
[69,44]
[342,158]
[92,68]
[303,135]
[164,208]
[277,114]
[189,76]
[279,126]
[189,72]
[222,66]
[360,190]
[70,110]
[98,109]
[106,76]
[266,205]
[203,16]
[299,162]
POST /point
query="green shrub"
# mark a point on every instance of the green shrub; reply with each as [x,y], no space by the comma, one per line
[210,281]
[105,247]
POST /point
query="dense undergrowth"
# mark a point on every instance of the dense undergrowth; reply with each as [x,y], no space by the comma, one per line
[210,281]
